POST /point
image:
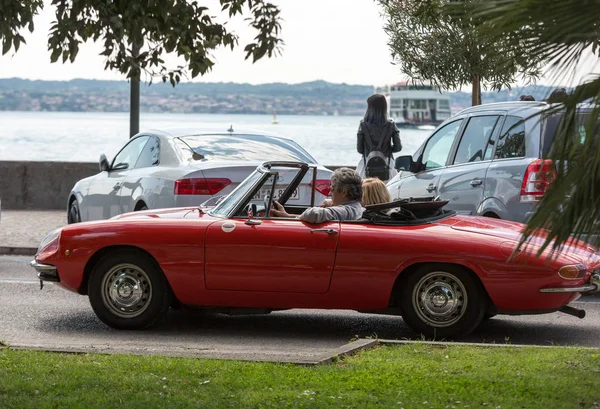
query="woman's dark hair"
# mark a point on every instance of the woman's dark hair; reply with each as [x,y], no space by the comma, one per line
[376,110]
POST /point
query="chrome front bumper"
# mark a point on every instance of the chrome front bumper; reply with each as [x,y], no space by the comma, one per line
[591,288]
[46,272]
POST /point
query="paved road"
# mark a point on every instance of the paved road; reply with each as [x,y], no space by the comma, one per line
[57,319]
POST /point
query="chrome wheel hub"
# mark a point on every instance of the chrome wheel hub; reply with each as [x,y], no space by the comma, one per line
[439,299]
[126,290]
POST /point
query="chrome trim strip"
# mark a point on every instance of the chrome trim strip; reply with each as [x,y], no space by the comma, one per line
[580,289]
[44,268]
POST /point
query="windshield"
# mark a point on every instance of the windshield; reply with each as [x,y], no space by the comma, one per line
[227,205]
[253,148]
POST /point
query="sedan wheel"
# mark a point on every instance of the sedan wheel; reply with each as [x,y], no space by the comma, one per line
[74,216]
[128,291]
[442,301]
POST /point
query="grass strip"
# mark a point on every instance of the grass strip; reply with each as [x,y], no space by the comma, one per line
[403,376]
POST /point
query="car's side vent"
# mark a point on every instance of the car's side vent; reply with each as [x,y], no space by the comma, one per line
[200,186]
[539,175]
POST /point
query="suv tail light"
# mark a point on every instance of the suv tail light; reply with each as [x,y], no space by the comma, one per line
[322,186]
[538,176]
[200,186]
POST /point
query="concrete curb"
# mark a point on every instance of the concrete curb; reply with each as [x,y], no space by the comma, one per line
[17,251]
[321,359]
[474,344]
[178,352]
[347,350]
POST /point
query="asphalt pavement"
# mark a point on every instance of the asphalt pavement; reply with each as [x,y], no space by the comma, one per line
[55,319]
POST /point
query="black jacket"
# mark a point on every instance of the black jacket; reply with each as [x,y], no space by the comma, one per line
[389,131]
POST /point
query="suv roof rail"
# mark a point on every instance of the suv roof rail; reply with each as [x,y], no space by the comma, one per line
[507,104]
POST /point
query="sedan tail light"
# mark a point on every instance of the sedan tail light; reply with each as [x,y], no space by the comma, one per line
[322,186]
[200,186]
[538,176]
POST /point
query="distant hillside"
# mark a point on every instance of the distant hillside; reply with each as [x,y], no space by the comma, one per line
[309,98]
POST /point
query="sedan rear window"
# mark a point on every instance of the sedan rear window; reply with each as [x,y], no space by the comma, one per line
[254,148]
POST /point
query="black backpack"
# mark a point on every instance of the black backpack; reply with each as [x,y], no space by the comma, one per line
[377,165]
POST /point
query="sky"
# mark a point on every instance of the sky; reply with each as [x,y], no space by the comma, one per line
[340,41]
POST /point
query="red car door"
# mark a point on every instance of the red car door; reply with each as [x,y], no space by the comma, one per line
[276,255]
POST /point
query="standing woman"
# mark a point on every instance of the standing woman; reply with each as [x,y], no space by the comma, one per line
[377,139]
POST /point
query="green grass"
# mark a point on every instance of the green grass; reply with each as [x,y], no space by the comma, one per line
[406,376]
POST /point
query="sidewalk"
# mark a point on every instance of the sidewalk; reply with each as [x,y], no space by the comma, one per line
[21,231]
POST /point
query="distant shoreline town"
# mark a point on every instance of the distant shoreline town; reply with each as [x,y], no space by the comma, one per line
[309,98]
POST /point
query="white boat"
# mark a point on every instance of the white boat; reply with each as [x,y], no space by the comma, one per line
[412,104]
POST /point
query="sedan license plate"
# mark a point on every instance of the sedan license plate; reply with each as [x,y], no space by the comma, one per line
[278,192]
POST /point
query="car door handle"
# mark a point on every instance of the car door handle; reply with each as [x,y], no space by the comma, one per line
[252,222]
[431,187]
[117,186]
[476,182]
[328,231]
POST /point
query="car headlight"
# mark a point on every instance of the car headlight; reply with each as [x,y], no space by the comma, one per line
[49,244]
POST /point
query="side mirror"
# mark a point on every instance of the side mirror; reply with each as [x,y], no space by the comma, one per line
[104,165]
[404,163]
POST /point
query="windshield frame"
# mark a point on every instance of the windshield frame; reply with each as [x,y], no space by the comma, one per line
[233,202]
[225,208]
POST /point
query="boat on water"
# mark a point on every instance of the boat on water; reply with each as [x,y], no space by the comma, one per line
[413,105]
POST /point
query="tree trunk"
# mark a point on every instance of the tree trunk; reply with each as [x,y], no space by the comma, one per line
[134,99]
[476,91]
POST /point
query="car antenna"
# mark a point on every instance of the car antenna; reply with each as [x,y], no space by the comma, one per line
[230,128]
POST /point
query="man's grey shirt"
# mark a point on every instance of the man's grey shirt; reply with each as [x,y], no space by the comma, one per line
[351,210]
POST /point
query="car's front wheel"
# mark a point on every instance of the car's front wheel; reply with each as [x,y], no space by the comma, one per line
[127,290]
[442,301]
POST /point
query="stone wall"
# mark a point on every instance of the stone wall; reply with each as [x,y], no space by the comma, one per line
[42,185]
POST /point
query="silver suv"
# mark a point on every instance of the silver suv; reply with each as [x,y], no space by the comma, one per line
[486,160]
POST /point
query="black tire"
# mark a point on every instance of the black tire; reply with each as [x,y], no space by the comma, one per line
[141,207]
[442,301]
[74,216]
[489,316]
[127,290]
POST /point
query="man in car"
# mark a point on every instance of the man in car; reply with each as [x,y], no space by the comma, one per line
[346,194]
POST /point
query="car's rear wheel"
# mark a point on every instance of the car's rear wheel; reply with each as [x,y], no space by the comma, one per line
[440,301]
[127,290]
[74,216]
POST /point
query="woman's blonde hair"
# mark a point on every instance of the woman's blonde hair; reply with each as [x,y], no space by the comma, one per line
[374,192]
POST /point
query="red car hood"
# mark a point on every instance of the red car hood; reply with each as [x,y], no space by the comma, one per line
[172,213]
[511,231]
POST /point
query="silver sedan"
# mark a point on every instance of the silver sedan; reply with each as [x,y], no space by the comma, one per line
[185,167]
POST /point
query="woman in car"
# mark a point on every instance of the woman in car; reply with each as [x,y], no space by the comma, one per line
[374,192]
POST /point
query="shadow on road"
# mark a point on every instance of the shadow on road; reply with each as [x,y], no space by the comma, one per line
[324,325]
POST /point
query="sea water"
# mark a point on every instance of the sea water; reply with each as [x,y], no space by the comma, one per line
[83,136]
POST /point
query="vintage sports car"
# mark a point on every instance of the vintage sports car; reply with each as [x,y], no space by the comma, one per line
[183,167]
[442,272]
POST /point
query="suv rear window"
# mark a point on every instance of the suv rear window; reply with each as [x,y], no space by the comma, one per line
[511,143]
[552,123]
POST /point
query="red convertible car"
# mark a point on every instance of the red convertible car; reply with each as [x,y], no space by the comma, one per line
[443,273]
